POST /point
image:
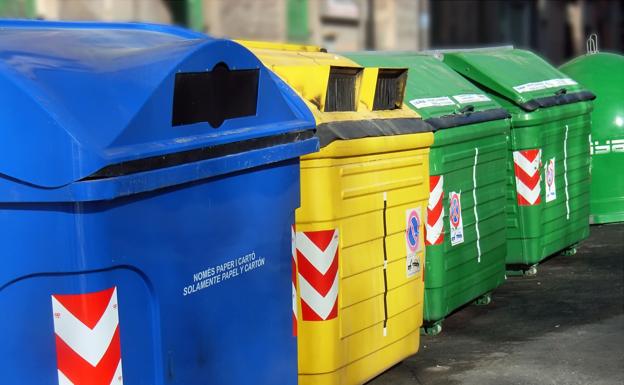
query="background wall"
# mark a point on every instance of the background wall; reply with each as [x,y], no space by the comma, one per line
[555,28]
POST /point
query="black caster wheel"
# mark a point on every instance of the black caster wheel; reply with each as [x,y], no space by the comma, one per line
[531,272]
[484,300]
[432,330]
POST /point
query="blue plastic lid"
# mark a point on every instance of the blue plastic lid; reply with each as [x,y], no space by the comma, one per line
[80,97]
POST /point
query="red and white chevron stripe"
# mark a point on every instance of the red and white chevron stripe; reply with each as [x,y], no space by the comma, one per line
[527,168]
[317,267]
[434,228]
[293,259]
[88,350]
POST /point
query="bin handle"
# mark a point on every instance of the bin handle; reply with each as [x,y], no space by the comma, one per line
[467,109]
[592,44]
[562,91]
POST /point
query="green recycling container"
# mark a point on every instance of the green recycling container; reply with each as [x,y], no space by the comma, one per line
[603,73]
[548,159]
[466,227]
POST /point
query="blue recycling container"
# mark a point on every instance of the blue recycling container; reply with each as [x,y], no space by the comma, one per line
[148,182]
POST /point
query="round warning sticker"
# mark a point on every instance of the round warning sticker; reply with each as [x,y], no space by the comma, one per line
[550,173]
[455,210]
[551,190]
[455,218]
[412,234]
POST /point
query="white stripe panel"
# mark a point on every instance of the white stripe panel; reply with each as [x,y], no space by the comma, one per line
[63,380]
[474,197]
[90,344]
[293,240]
[435,198]
[321,260]
[294,299]
[118,377]
[529,167]
[321,305]
[565,172]
[530,195]
[436,194]
[434,232]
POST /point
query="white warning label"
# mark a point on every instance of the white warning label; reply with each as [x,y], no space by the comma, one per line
[432,102]
[471,98]
[549,171]
[214,275]
[536,86]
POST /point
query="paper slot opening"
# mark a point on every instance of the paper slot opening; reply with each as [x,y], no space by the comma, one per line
[342,89]
[390,89]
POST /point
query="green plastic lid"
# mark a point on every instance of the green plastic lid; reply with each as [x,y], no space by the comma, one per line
[519,76]
[440,95]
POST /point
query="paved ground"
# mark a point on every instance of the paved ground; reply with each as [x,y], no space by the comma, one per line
[564,326]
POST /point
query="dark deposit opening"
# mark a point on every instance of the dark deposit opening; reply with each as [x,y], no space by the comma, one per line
[341,89]
[214,96]
[390,89]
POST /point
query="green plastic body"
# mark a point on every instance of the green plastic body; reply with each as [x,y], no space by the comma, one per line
[561,132]
[455,275]
[536,232]
[603,73]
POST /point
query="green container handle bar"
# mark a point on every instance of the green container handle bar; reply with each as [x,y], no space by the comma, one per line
[592,44]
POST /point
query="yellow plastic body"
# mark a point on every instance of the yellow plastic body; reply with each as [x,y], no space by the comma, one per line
[343,187]
[364,188]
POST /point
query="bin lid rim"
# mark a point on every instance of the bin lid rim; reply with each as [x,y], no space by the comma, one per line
[328,132]
[459,120]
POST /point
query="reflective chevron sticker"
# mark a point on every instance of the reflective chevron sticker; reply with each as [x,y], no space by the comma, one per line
[293,260]
[527,169]
[434,228]
[86,328]
[317,267]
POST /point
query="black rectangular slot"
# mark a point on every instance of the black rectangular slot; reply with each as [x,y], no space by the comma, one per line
[214,96]
[198,154]
[389,89]
[341,89]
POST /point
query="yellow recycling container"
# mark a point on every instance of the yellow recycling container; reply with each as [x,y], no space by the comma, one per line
[358,242]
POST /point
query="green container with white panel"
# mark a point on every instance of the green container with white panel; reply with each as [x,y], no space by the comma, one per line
[548,170]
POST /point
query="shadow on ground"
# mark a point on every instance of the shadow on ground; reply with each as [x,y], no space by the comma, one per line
[565,326]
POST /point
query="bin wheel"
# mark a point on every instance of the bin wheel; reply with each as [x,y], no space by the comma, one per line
[484,300]
[433,330]
[532,271]
[570,251]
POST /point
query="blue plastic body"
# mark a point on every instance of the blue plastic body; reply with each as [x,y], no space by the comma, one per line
[79,97]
